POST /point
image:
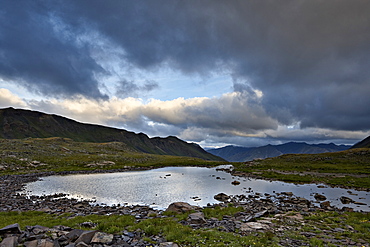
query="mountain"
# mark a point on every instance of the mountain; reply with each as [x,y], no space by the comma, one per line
[19,124]
[365,143]
[241,154]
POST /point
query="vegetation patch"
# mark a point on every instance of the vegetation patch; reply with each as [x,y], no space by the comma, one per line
[350,168]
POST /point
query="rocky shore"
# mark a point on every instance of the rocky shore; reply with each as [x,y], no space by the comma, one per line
[278,214]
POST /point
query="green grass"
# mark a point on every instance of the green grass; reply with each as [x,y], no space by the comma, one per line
[218,212]
[354,225]
[186,236]
[109,224]
[347,168]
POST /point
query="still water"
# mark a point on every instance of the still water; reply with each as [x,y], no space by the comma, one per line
[161,187]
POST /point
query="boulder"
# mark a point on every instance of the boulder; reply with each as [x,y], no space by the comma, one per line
[86,237]
[168,244]
[11,229]
[180,207]
[196,218]
[102,238]
[222,197]
[345,200]
[320,197]
[9,242]
[252,226]
[325,205]
[235,182]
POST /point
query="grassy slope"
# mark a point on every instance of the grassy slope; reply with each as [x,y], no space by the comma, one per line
[34,155]
[20,124]
[347,168]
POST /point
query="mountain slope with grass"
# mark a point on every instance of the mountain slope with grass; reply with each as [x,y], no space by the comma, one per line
[242,154]
[365,143]
[20,124]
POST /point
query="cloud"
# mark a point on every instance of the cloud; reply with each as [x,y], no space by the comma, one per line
[126,88]
[237,120]
[41,52]
[307,60]
[7,99]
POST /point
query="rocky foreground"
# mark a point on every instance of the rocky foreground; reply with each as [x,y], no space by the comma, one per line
[278,214]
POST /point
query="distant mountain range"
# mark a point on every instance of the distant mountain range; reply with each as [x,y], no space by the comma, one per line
[241,154]
[19,124]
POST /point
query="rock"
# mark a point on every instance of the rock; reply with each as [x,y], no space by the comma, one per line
[9,242]
[345,200]
[168,244]
[287,193]
[45,243]
[325,205]
[222,197]
[102,238]
[320,197]
[86,237]
[252,226]
[196,218]
[11,229]
[32,243]
[40,229]
[235,182]
[359,203]
[74,234]
[260,214]
[180,207]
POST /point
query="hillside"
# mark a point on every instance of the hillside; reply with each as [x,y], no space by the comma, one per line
[20,124]
[365,143]
[241,154]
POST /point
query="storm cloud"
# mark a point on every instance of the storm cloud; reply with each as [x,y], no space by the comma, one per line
[303,63]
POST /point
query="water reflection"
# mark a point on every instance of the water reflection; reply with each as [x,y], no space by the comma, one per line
[195,185]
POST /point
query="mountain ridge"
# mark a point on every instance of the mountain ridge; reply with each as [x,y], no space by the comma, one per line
[365,143]
[20,124]
[242,154]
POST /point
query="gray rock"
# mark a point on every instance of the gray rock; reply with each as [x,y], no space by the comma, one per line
[11,229]
[320,197]
[222,197]
[9,242]
[74,234]
[168,244]
[251,226]
[102,238]
[180,207]
[196,218]
[346,200]
[86,237]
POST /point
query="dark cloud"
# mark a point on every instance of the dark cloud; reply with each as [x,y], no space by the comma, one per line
[39,52]
[127,88]
[309,58]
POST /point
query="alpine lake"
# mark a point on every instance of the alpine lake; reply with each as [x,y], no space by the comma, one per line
[158,188]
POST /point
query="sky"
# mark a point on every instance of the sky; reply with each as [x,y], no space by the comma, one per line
[213,72]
